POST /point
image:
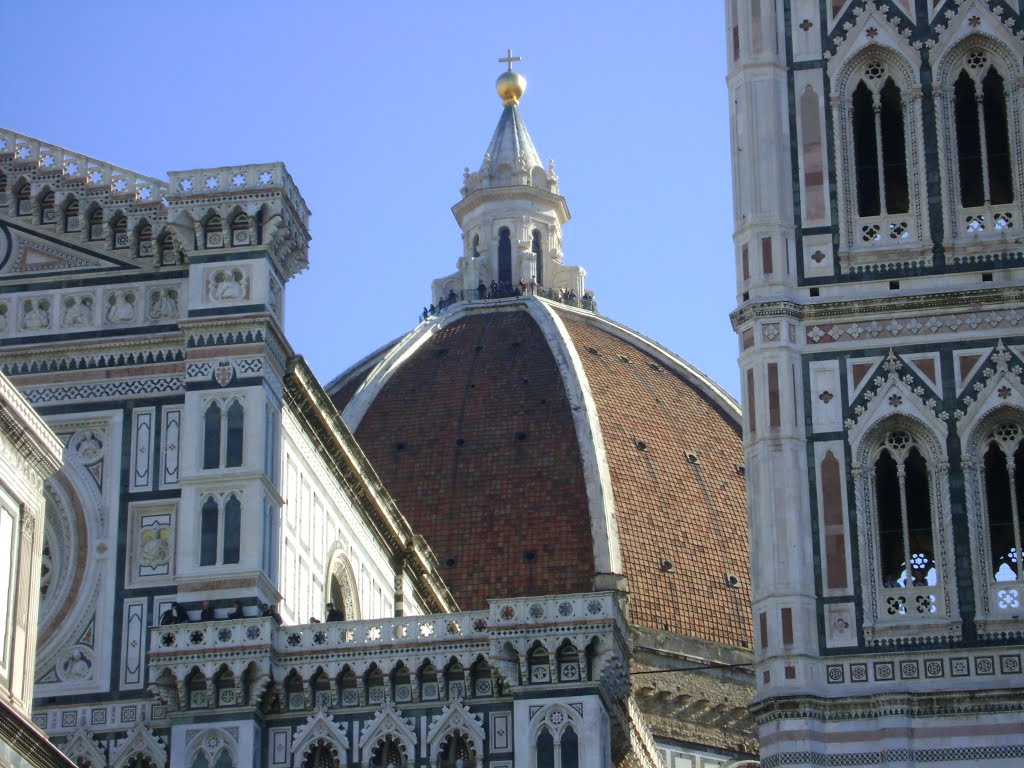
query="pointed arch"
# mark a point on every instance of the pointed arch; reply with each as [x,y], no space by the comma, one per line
[144,242]
[46,203]
[456,721]
[212,747]
[981,127]
[213,230]
[320,742]
[72,214]
[240,229]
[140,748]
[119,231]
[341,584]
[388,739]
[23,198]
[901,493]
[94,222]
[879,159]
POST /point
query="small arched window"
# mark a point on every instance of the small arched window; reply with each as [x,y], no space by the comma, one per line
[214,231]
[223,434]
[982,140]
[903,506]
[570,749]
[119,226]
[240,230]
[208,532]
[1004,493]
[455,752]
[220,530]
[23,199]
[504,256]
[388,753]
[96,223]
[47,208]
[165,246]
[144,239]
[545,750]
[879,144]
[72,217]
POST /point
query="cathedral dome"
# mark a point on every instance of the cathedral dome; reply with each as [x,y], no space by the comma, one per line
[545,449]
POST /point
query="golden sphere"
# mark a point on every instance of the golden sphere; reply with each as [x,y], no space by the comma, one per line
[510,87]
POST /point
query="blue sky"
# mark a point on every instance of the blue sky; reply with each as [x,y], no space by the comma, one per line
[376,107]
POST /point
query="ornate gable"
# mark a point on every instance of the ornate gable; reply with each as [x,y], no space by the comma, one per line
[388,722]
[318,728]
[872,27]
[81,745]
[139,739]
[456,718]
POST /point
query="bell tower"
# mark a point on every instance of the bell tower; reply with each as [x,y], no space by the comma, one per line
[877,182]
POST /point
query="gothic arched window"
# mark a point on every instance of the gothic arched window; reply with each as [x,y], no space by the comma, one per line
[120,231]
[72,218]
[144,239]
[903,506]
[570,749]
[545,750]
[982,141]
[388,753]
[240,229]
[95,223]
[47,208]
[223,433]
[879,145]
[1004,493]
[23,199]
[504,256]
[220,530]
[214,231]
[455,752]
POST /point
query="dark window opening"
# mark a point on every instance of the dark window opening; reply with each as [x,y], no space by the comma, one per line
[211,437]
[208,532]
[865,152]
[504,256]
[232,530]
[538,254]
[234,442]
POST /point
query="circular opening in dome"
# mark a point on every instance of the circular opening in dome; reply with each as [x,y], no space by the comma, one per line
[526,381]
[399,446]
[520,436]
[543,401]
[667,566]
[692,458]
[641,445]
[450,562]
[516,343]
[732,580]
[460,441]
[478,348]
[529,556]
[441,352]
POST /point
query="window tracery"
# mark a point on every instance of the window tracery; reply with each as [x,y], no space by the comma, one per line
[902,500]
[994,484]
[981,123]
[876,111]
